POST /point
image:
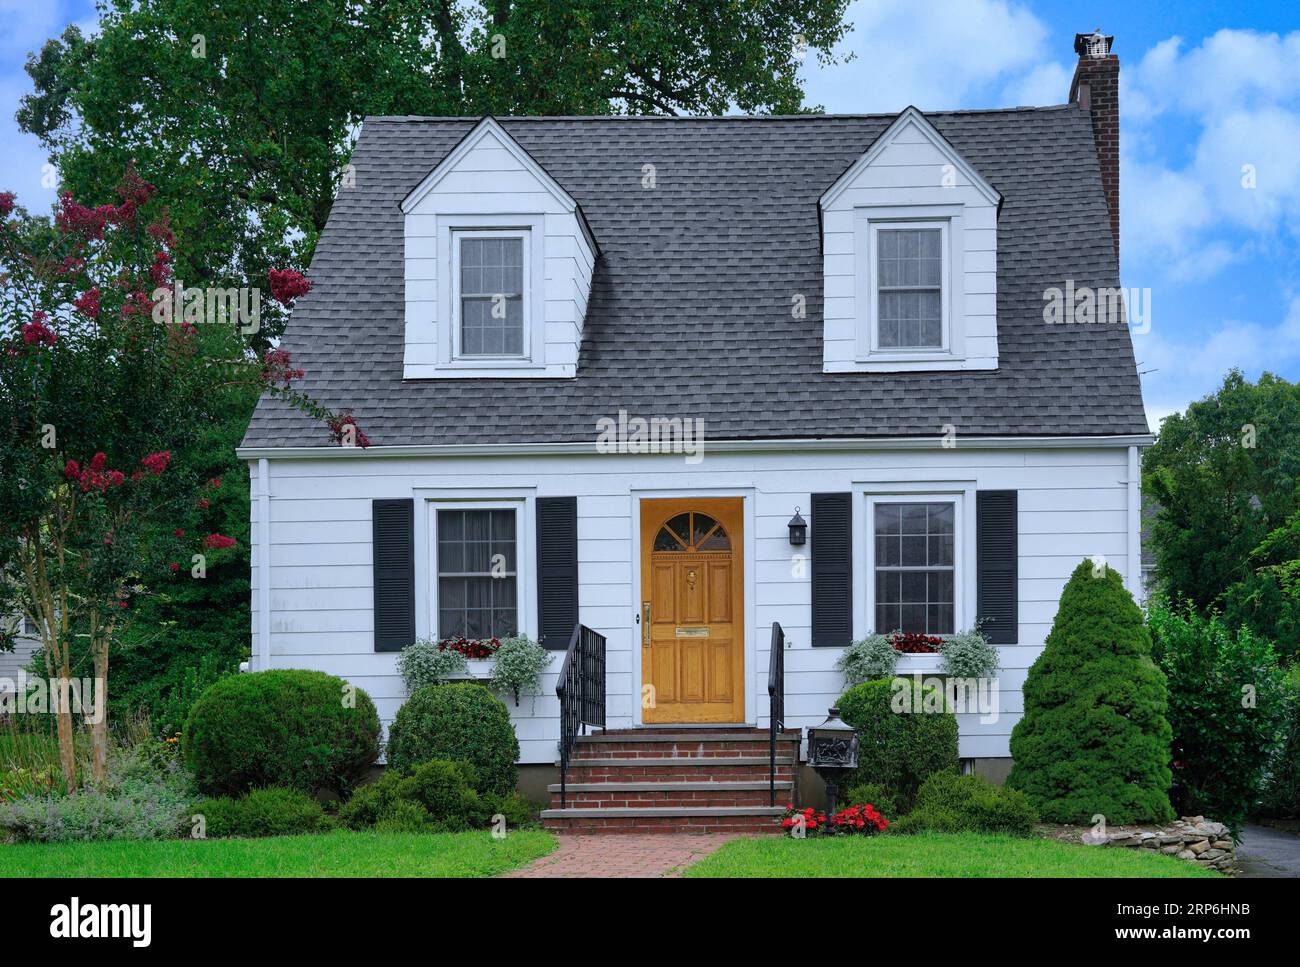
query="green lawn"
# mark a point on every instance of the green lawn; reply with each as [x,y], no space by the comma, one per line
[331,854]
[933,854]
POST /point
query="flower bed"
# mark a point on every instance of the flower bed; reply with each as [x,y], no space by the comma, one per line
[475,649]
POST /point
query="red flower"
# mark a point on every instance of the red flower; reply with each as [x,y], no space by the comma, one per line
[216,542]
[915,643]
[161,270]
[37,333]
[287,285]
[203,503]
[337,425]
[179,532]
[174,567]
[156,463]
[276,368]
[75,218]
[6,203]
[88,303]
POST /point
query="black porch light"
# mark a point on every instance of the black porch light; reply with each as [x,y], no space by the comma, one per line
[798,530]
[833,753]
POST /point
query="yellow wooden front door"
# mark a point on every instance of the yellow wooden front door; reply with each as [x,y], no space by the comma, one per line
[692,610]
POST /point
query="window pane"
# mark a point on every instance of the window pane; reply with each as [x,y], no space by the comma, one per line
[491,303]
[914,545]
[909,280]
[477,585]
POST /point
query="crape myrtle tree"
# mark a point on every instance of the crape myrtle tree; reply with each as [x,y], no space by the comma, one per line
[105,391]
[1094,738]
[244,112]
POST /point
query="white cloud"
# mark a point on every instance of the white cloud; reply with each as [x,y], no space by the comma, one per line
[935,59]
[1239,94]
[1045,84]
[1183,372]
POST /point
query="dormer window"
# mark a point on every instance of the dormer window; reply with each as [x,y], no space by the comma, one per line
[492,278]
[909,258]
[910,308]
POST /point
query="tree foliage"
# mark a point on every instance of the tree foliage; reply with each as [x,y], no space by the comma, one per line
[1094,738]
[1226,476]
[245,111]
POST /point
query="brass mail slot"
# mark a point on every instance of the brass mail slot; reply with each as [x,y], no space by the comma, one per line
[692,632]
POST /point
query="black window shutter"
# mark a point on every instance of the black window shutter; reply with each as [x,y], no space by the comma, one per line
[557,570]
[394,561]
[832,569]
[997,557]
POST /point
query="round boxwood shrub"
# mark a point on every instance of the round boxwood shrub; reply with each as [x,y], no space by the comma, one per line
[906,734]
[1094,738]
[457,722]
[301,729]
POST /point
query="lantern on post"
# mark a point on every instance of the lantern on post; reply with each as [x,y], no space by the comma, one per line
[833,753]
[798,530]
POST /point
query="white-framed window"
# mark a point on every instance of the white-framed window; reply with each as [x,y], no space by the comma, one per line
[909,266]
[914,547]
[915,565]
[490,301]
[476,570]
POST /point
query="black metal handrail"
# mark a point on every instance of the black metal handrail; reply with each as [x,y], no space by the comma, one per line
[776,700]
[581,689]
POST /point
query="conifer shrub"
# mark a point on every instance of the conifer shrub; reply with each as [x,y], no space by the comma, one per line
[1094,738]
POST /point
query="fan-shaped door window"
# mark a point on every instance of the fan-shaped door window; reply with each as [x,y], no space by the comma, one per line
[692,532]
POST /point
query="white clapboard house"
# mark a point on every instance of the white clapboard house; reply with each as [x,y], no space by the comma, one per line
[835,318]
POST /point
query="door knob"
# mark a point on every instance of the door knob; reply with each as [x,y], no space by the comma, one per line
[645,624]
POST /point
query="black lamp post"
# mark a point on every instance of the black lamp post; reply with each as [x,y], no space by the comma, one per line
[833,753]
[798,530]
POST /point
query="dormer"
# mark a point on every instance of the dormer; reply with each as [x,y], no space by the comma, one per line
[909,242]
[499,260]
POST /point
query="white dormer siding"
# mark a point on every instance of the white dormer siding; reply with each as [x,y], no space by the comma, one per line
[914,219]
[488,203]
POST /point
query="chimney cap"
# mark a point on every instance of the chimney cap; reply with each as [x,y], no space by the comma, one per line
[1094,45]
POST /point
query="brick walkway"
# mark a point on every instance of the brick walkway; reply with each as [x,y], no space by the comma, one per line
[622,855]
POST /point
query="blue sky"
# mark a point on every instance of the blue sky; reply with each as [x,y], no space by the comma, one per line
[1206,87]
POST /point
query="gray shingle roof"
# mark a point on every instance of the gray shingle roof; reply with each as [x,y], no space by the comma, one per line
[690,305]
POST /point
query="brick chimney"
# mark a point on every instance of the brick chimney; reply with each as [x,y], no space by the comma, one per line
[1095,89]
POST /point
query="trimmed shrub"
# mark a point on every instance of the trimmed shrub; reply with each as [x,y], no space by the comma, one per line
[461,721]
[1222,743]
[900,749]
[949,803]
[1094,737]
[371,801]
[263,812]
[1281,797]
[405,816]
[519,813]
[446,791]
[968,654]
[281,728]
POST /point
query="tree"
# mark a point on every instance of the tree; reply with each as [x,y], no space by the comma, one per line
[103,383]
[1094,738]
[1267,600]
[1226,475]
[244,112]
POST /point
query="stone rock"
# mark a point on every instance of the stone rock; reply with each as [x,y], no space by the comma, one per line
[1200,846]
[1151,843]
[1122,839]
[1187,855]
[1172,849]
[1210,854]
[1223,844]
[1167,838]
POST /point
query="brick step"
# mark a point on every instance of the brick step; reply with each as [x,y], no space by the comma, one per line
[679,769]
[668,794]
[676,745]
[707,819]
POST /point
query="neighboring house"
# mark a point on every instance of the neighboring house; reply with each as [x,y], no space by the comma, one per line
[12,662]
[853,306]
